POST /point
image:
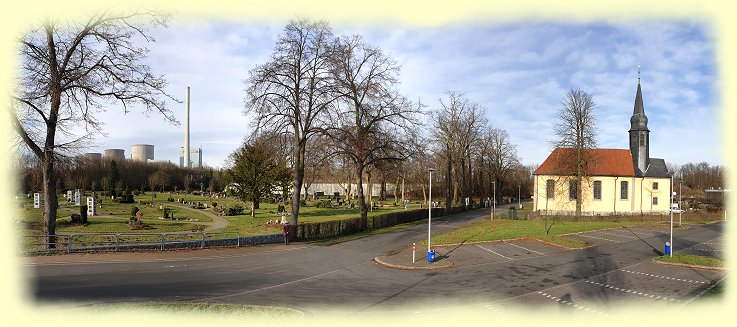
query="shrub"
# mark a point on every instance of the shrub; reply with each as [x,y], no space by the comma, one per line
[214,204]
[126,198]
[234,210]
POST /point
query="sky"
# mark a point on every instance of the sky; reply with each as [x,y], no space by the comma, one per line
[517,71]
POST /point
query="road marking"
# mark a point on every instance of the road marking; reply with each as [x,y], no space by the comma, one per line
[631,291]
[663,277]
[643,230]
[278,285]
[599,238]
[577,306]
[712,243]
[617,235]
[494,252]
[524,248]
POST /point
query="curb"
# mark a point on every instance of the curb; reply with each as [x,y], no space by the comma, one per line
[393,266]
[687,265]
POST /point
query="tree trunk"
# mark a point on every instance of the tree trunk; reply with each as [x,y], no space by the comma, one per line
[50,200]
[382,189]
[396,186]
[299,173]
[359,189]
[424,195]
[447,185]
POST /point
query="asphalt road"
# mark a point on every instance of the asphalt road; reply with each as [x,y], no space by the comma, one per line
[343,278]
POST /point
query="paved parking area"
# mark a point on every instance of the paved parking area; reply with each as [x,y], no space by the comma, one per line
[595,284]
[647,282]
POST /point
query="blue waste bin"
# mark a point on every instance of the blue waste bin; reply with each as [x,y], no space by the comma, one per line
[431,256]
[667,248]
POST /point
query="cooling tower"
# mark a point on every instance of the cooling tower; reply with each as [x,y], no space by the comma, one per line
[115,154]
[142,152]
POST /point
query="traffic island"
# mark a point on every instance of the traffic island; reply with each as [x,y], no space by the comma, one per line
[402,259]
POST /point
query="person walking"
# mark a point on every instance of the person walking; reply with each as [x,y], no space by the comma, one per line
[286,234]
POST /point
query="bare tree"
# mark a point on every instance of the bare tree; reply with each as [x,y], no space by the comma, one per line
[291,92]
[317,161]
[576,129]
[458,123]
[70,71]
[371,114]
[503,156]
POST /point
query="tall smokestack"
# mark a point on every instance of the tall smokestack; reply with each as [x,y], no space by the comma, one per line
[186,136]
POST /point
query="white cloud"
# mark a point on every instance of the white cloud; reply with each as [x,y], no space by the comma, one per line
[518,72]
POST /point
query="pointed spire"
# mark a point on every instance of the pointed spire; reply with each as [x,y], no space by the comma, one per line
[638,120]
[639,107]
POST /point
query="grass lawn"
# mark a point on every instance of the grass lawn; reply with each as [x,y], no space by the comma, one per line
[114,217]
[695,260]
[503,229]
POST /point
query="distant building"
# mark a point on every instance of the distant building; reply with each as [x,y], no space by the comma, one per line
[115,154]
[195,158]
[142,152]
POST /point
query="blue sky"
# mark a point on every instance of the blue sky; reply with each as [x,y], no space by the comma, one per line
[518,71]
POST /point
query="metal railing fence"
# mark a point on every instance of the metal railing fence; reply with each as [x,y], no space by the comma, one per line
[83,242]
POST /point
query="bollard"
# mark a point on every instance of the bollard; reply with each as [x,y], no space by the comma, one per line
[667,248]
[414,247]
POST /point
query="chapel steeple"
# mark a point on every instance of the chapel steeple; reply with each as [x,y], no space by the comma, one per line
[639,133]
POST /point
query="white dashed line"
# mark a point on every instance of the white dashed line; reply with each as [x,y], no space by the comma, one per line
[630,291]
[599,238]
[577,306]
[663,277]
[494,252]
[524,248]
[617,235]
[712,243]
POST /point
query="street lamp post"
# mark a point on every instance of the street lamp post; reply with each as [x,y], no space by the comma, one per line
[519,196]
[429,212]
[671,214]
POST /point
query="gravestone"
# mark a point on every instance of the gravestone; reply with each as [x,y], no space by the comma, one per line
[77,198]
[37,201]
[91,206]
[69,196]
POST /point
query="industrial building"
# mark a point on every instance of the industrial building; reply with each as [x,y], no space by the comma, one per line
[115,154]
[195,158]
[142,152]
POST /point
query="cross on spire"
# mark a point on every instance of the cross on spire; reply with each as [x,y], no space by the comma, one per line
[638,74]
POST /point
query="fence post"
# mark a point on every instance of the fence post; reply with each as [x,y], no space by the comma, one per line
[238,235]
[162,241]
[69,247]
[117,242]
[202,244]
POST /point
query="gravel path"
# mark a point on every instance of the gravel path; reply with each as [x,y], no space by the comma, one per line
[217,222]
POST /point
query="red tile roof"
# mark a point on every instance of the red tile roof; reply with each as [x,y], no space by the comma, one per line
[604,162]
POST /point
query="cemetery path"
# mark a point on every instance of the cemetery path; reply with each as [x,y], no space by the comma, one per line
[217,222]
